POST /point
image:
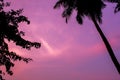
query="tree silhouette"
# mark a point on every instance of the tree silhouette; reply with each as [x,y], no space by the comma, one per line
[91,9]
[9,24]
[117,8]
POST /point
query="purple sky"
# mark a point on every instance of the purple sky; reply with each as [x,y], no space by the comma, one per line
[69,51]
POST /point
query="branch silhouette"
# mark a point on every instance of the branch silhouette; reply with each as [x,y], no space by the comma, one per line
[9,24]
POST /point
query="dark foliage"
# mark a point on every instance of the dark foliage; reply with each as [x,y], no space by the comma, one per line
[89,8]
[9,23]
[117,8]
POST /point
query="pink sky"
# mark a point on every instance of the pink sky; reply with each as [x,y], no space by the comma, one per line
[69,51]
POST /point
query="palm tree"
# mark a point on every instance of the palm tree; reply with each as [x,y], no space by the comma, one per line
[117,8]
[91,9]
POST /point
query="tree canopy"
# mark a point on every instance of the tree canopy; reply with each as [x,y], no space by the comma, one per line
[89,8]
[9,23]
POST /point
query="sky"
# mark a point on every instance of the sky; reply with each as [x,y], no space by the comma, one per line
[69,51]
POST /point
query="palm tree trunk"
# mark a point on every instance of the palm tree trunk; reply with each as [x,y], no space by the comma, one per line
[109,49]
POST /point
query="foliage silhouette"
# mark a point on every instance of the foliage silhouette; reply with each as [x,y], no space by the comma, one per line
[91,9]
[9,23]
[117,8]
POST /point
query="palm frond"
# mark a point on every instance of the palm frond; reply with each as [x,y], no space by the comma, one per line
[89,8]
[117,8]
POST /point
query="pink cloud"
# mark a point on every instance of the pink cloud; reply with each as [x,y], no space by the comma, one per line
[80,51]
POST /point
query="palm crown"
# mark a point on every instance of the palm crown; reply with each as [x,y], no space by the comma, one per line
[89,8]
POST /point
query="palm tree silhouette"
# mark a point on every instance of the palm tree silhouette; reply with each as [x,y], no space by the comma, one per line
[91,9]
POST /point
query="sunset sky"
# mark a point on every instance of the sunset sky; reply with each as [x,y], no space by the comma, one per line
[69,51]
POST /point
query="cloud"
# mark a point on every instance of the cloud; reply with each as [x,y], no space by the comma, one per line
[68,51]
